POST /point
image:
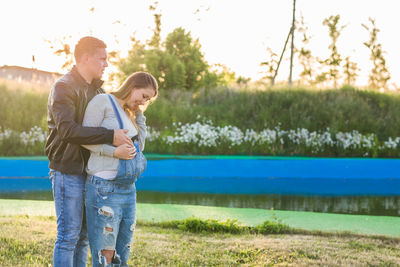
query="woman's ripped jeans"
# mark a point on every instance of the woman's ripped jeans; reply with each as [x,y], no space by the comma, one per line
[110,212]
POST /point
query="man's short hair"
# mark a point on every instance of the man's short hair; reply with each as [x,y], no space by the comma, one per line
[87,44]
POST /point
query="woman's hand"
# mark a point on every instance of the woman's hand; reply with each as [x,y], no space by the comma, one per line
[125,151]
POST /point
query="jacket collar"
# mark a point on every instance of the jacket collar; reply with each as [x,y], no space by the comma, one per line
[96,83]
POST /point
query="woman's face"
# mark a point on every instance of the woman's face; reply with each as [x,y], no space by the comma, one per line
[139,97]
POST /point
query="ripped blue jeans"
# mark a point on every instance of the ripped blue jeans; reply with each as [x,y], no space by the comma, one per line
[111,212]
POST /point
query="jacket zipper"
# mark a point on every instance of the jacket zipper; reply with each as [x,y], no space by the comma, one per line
[80,149]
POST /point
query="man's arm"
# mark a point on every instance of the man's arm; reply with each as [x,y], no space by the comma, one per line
[94,116]
[63,109]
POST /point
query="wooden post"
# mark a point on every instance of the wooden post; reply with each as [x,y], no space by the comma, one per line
[280,59]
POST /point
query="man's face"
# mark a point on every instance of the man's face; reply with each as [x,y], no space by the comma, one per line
[97,62]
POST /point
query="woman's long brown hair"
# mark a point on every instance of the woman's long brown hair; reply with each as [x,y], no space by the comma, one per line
[137,80]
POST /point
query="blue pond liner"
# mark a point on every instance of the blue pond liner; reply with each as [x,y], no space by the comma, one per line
[308,176]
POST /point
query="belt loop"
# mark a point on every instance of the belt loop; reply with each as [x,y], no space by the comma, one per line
[91,178]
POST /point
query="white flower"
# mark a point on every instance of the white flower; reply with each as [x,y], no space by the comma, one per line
[392,144]
[151,134]
[268,136]
[206,134]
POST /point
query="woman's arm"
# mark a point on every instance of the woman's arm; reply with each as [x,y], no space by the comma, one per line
[94,116]
[141,123]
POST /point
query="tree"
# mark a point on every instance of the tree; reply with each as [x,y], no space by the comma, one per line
[242,81]
[134,61]
[225,76]
[61,47]
[271,65]
[306,59]
[176,63]
[350,71]
[333,62]
[174,72]
[187,50]
[155,41]
[379,75]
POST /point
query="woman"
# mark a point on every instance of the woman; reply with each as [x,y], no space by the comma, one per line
[112,171]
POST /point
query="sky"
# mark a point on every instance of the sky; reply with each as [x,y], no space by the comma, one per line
[235,33]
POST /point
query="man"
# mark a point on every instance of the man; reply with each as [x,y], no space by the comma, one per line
[67,102]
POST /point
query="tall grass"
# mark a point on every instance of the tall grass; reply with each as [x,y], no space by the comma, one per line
[22,109]
[372,114]
[342,110]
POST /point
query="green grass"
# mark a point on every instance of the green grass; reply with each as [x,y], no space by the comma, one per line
[28,241]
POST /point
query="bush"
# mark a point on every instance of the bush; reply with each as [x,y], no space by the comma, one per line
[269,227]
[13,143]
[197,225]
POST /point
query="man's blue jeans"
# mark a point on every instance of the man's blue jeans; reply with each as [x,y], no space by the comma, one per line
[71,247]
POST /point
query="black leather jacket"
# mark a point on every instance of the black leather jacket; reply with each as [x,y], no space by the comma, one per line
[66,107]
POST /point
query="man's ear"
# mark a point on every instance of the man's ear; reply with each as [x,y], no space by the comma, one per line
[84,58]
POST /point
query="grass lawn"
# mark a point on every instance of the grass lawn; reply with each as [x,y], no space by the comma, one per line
[28,241]
[28,231]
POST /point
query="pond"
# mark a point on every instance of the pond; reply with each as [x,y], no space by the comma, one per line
[366,205]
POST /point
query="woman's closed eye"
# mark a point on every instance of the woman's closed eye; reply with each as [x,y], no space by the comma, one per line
[146,98]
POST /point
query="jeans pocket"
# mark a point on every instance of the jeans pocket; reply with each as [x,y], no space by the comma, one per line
[52,177]
[141,163]
[52,174]
[105,189]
